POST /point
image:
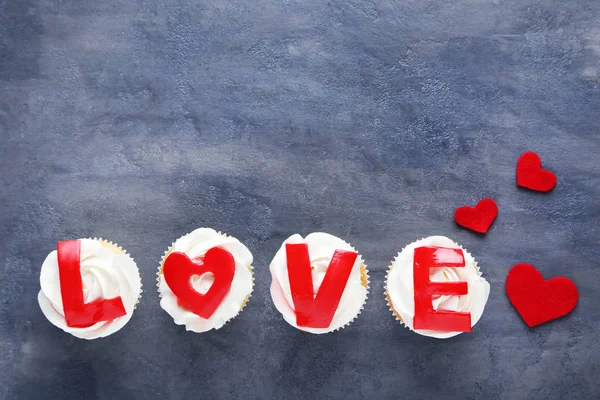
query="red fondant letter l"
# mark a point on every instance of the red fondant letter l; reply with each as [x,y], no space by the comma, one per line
[77,313]
[425,316]
[317,311]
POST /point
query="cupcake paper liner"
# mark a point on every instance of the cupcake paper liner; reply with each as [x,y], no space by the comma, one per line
[170,249]
[388,299]
[364,280]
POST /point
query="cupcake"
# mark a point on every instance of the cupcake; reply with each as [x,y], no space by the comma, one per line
[89,287]
[454,264]
[205,279]
[319,283]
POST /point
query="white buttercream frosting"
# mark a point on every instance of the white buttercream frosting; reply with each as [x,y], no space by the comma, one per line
[106,272]
[400,287]
[195,245]
[321,247]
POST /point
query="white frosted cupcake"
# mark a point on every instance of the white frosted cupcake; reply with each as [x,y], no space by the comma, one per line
[94,275]
[344,291]
[205,279]
[400,293]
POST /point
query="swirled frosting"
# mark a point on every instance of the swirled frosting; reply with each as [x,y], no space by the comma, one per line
[400,288]
[195,245]
[106,272]
[321,247]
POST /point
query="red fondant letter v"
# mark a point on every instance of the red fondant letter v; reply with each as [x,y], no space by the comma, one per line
[317,311]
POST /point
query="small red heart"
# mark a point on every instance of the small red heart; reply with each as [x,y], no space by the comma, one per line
[538,300]
[478,218]
[178,270]
[530,174]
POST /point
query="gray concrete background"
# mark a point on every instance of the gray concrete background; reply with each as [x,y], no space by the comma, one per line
[139,121]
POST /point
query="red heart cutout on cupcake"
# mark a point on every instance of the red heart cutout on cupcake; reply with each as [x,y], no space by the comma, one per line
[179,269]
[478,218]
[530,174]
[538,300]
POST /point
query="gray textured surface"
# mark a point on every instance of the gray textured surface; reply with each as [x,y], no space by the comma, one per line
[139,121]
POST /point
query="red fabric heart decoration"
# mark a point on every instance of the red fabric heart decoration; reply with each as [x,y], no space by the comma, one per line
[530,174]
[178,270]
[538,300]
[478,218]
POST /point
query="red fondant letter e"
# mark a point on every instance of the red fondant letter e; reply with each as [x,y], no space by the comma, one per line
[425,316]
[77,313]
[317,311]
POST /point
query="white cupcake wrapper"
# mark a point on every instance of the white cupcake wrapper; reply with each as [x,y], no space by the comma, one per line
[364,265]
[385,292]
[115,246]
[362,307]
[162,263]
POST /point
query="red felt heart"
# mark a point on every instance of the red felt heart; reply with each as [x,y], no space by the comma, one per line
[478,218]
[530,174]
[178,270]
[538,300]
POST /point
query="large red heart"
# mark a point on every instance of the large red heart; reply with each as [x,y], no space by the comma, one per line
[178,270]
[538,300]
[530,174]
[478,218]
